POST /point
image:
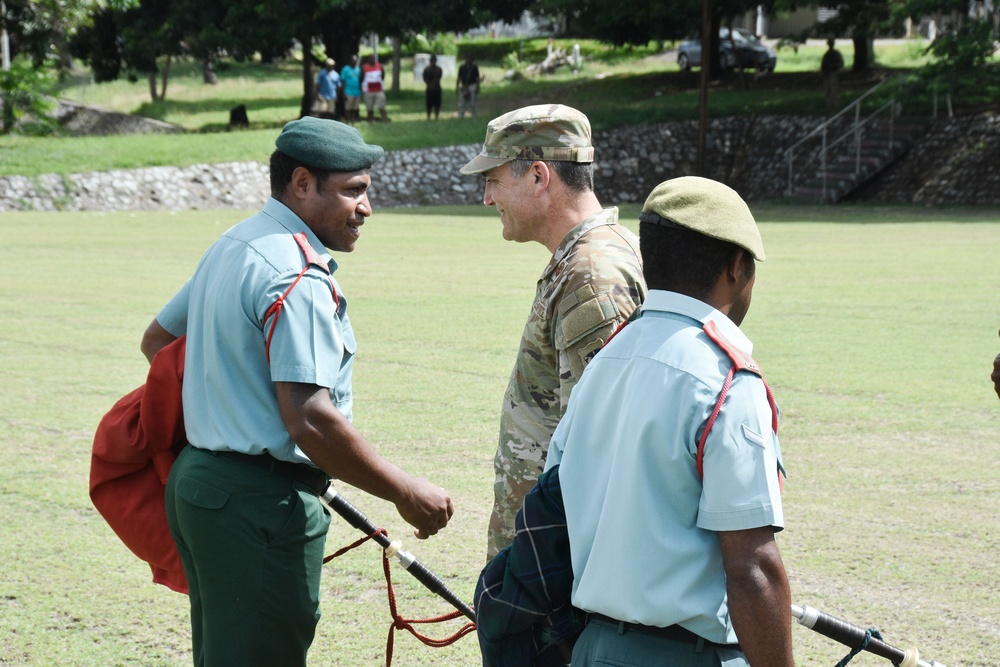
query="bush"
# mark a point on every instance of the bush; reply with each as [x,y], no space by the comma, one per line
[442,44]
[22,94]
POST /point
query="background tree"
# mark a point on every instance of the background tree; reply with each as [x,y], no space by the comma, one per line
[963,65]
[42,29]
[140,40]
[863,20]
[22,100]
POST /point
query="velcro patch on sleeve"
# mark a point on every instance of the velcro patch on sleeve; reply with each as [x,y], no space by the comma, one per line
[588,316]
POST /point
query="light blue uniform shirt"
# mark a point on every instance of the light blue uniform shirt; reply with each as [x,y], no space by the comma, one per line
[229,396]
[641,522]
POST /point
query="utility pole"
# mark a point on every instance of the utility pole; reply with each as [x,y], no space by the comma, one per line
[706,36]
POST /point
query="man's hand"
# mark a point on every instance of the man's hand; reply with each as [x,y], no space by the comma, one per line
[332,442]
[427,507]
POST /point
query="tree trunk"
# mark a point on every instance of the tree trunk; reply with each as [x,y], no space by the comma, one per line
[308,84]
[397,53]
[166,76]
[863,53]
[8,116]
[714,57]
[151,78]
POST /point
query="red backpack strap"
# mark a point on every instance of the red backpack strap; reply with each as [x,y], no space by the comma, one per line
[312,258]
[741,362]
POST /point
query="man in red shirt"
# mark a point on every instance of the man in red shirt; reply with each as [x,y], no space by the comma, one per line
[372,89]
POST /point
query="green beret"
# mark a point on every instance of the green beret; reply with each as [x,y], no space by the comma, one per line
[707,207]
[328,145]
[547,132]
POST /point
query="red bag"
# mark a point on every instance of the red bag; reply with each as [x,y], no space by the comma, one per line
[135,445]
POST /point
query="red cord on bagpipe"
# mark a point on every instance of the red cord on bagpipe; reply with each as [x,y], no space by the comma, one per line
[425,576]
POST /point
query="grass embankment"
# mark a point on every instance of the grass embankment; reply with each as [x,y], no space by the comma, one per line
[615,87]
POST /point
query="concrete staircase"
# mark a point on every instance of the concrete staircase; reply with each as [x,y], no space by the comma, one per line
[846,150]
[856,160]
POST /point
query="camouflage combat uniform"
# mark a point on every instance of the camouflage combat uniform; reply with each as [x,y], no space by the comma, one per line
[591,285]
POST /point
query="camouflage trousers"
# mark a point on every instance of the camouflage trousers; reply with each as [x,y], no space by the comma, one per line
[516,474]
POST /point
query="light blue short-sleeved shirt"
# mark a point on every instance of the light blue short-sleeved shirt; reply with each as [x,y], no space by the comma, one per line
[641,521]
[229,396]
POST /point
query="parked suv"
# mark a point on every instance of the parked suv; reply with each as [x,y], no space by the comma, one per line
[749,53]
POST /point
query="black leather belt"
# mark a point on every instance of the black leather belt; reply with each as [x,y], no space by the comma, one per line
[314,478]
[674,632]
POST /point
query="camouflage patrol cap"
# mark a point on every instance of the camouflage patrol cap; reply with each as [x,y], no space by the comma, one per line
[707,207]
[549,132]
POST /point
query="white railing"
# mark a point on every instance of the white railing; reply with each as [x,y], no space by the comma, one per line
[855,130]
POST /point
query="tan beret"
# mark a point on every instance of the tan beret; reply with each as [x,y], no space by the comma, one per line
[707,207]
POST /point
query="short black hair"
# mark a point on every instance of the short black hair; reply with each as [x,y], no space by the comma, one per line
[577,176]
[282,166]
[682,260]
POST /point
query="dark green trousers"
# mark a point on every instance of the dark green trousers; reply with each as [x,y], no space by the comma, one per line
[251,542]
[606,644]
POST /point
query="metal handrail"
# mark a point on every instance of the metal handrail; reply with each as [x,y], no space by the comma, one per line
[855,131]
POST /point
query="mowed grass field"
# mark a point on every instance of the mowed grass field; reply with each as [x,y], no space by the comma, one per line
[876,328]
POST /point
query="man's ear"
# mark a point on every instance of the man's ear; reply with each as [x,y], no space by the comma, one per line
[541,174]
[302,181]
[734,267]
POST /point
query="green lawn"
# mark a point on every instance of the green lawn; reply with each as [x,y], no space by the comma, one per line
[876,328]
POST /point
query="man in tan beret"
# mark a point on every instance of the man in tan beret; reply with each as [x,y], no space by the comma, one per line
[267,406]
[662,484]
[669,460]
[539,167]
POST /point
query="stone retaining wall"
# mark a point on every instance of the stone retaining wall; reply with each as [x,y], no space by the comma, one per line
[955,164]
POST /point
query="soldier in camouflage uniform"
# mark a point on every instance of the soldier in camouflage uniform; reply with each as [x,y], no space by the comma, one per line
[539,167]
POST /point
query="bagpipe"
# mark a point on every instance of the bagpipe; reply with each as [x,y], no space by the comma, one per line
[853,636]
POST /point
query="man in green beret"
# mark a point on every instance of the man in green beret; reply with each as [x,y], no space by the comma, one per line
[539,167]
[668,456]
[268,404]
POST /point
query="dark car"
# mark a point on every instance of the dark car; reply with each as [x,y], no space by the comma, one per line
[749,53]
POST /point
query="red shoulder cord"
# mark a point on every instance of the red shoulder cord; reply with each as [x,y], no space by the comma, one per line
[741,362]
[312,258]
[400,623]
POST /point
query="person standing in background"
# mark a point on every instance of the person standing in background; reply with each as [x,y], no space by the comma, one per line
[831,65]
[373,87]
[350,77]
[467,86]
[432,78]
[995,376]
[327,90]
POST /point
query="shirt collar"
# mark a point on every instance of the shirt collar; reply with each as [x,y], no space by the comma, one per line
[294,224]
[672,302]
[607,216]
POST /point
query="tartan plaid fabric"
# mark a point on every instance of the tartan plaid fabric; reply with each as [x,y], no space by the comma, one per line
[523,611]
